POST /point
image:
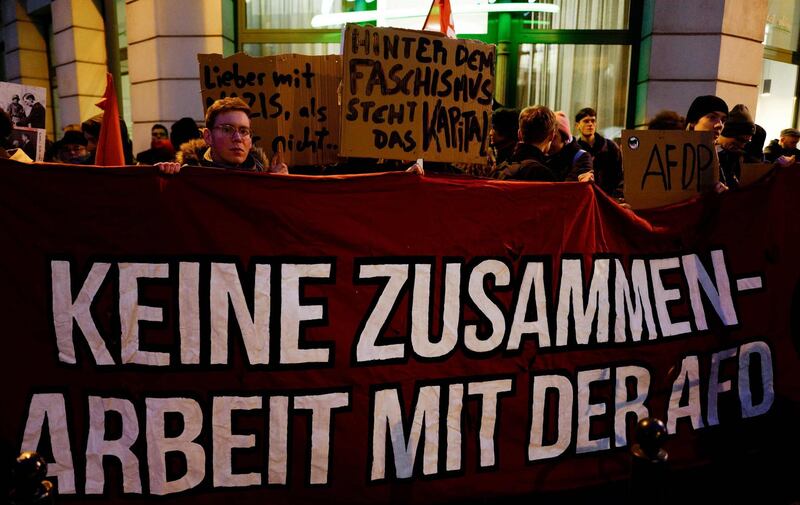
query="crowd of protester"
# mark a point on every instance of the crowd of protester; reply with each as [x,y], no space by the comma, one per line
[546,151]
[534,144]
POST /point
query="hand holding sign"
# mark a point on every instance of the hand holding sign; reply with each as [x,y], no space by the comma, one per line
[292,97]
[413,94]
[277,165]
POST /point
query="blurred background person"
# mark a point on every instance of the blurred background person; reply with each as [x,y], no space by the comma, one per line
[91,130]
[503,134]
[71,148]
[566,158]
[667,120]
[786,146]
[182,131]
[161,148]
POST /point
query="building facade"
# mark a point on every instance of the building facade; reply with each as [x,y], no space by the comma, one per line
[628,59]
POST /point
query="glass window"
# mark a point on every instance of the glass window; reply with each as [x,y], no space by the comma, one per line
[783,24]
[275,49]
[122,23]
[582,15]
[296,14]
[570,77]
[411,14]
[777,102]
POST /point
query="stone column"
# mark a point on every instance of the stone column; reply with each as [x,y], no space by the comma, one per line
[80,58]
[164,39]
[691,48]
[26,52]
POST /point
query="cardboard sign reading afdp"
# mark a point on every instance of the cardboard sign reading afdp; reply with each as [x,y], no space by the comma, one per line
[293,98]
[667,166]
[411,94]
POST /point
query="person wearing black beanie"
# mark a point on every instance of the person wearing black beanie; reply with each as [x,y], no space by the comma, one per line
[737,132]
[707,113]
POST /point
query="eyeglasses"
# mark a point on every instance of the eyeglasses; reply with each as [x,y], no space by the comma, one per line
[229,130]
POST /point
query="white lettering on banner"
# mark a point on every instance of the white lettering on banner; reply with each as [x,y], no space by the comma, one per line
[688,379]
[562,387]
[588,410]
[570,300]
[486,306]
[225,285]
[532,285]
[50,408]
[715,386]
[390,425]
[455,406]
[422,340]
[66,310]
[189,312]
[405,439]
[389,414]
[663,296]
[582,318]
[224,441]
[158,444]
[633,301]
[130,312]
[278,439]
[718,294]
[489,391]
[644,298]
[293,313]
[747,352]
[321,430]
[623,406]
[98,446]
[366,347]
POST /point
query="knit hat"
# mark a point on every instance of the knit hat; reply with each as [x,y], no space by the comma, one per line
[739,122]
[562,122]
[705,104]
[72,137]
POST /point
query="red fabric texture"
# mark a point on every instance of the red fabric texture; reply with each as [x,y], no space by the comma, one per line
[440,18]
[86,215]
[109,144]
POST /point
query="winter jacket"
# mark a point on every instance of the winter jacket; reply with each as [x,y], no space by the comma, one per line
[774,151]
[528,163]
[196,152]
[570,162]
[607,163]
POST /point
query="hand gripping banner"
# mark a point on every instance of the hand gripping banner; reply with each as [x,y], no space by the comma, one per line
[392,338]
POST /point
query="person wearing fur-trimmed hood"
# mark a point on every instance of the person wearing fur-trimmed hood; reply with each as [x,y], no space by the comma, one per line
[227,143]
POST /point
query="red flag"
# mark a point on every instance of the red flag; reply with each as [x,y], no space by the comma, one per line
[109,143]
[440,18]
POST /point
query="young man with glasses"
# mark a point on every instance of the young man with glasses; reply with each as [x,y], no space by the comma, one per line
[227,143]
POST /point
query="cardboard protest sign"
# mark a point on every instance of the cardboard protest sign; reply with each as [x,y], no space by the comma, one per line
[751,172]
[667,166]
[293,98]
[411,94]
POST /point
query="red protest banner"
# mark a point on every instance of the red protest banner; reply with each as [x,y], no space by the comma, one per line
[231,337]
